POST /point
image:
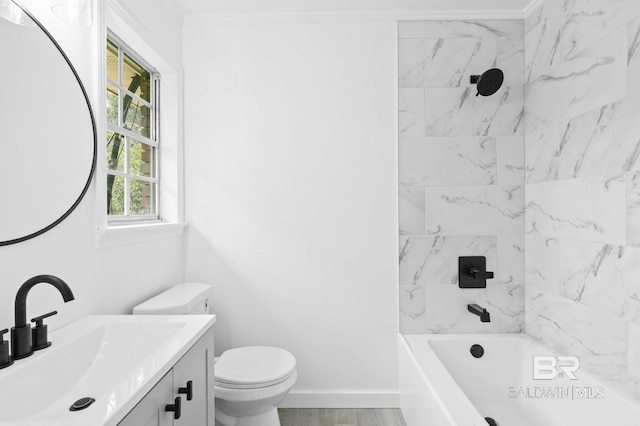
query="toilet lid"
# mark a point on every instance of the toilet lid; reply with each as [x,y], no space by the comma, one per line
[254,366]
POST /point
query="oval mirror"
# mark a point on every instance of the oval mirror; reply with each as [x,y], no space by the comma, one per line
[47,129]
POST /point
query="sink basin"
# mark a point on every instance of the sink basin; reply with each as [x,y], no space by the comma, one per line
[115,359]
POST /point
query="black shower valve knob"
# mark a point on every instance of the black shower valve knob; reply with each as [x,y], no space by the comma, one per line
[479,274]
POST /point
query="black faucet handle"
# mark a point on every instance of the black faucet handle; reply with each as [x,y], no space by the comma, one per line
[480,274]
[39,333]
[5,356]
[38,320]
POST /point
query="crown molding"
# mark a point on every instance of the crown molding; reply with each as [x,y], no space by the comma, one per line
[531,8]
[120,7]
[382,16]
[120,11]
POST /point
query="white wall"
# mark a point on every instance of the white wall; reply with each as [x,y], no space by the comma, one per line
[103,280]
[292,176]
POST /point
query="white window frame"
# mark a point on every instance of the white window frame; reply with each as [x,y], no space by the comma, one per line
[116,16]
[153,141]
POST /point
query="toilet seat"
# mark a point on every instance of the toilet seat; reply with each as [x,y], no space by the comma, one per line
[253,367]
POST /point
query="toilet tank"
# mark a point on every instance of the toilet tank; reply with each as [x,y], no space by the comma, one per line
[182,299]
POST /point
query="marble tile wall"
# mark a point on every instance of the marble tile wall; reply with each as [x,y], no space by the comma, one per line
[461,174]
[582,143]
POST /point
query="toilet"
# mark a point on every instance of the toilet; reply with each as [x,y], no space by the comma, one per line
[250,381]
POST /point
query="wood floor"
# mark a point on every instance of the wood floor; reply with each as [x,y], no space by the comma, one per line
[340,417]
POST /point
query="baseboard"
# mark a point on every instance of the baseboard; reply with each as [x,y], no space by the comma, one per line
[341,400]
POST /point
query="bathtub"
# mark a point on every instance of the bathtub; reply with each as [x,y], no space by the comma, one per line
[442,384]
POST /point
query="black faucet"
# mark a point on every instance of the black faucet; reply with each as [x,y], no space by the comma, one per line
[21,334]
[479,311]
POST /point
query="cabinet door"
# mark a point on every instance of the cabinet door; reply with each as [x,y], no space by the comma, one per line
[150,411]
[192,367]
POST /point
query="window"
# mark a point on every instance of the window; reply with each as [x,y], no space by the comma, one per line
[132,136]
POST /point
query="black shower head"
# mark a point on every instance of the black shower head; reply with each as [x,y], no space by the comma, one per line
[489,82]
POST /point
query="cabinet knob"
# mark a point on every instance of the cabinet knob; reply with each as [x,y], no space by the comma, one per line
[188,390]
[175,408]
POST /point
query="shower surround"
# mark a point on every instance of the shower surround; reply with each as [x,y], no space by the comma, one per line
[461,174]
[582,103]
[545,173]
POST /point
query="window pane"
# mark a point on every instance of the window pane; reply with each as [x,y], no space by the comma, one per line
[136,79]
[112,104]
[137,116]
[130,106]
[143,197]
[142,159]
[112,62]
[115,194]
[115,151]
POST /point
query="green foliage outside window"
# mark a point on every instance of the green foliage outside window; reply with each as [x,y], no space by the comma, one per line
[124,153]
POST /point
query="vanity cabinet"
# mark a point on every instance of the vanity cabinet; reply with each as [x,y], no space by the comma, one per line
[150,411]
[196,366]
[192,368]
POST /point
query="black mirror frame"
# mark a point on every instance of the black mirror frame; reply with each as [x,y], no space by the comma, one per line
[95,141]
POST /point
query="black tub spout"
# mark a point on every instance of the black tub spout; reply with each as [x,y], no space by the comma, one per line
[479,311]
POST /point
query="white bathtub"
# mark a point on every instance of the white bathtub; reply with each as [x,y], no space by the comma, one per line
[442,384]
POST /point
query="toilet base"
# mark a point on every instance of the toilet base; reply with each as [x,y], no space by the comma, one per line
[251,407]
[267,418]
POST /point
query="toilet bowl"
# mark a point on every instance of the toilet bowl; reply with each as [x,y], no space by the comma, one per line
[250,381]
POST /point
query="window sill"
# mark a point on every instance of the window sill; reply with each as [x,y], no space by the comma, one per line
[128,234]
